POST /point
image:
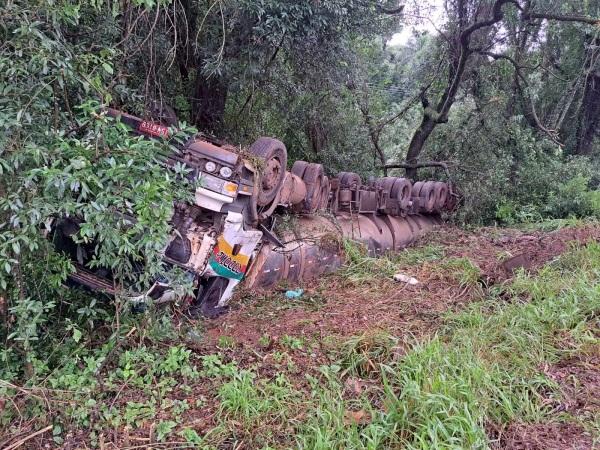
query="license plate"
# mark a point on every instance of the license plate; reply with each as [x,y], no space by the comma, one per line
[153,129]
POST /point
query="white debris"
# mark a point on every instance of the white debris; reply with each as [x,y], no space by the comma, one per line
[406,279]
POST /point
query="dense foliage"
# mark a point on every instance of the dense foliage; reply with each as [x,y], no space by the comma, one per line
[512,106]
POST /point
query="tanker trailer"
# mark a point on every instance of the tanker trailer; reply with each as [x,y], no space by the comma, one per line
[226,235]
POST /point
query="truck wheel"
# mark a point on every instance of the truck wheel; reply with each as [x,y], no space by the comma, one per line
[298,168]
[350,180]
[274,154]
[208,297]
[325,191]
[313,177]
[441,195]
[402,191]
[386,184]
[428,196]
[416,188]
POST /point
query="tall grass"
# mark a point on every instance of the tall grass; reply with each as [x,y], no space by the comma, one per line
[360,267]
[483,369]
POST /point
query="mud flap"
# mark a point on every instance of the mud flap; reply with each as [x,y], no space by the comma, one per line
[231,255]
[212,297]
[227,265]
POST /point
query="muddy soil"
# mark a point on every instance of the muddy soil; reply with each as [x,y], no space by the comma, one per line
[545,436]
[346,309]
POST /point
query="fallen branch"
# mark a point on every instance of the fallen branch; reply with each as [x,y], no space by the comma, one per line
[26,438]
[421,165]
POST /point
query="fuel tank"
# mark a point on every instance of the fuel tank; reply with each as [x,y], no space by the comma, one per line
[313,246]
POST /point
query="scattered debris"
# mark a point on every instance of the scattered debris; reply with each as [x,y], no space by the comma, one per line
[291,294]
[400,277]
[521,261]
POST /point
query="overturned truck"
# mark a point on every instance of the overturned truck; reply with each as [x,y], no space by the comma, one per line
[229,234]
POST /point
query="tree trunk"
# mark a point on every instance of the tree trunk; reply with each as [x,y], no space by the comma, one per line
[208,102]
[432,117]
[590,116]
[417,142]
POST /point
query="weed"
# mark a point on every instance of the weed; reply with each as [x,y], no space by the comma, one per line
[292,342]
[361,268]
[192,437]
[278,357]
[246,399]
[362,356]
[226,342]
[214,367]
[419,255]
[461,270]
[163,429]
[553,224]
[264,341]
[136,413]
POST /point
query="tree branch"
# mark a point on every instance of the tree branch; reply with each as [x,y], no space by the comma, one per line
[562,17]
[420,165]
[497,56]
[394,11]
[416,165]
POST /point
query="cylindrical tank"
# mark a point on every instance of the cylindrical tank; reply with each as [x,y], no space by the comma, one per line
[385,236]
[359,228]
[311,249]
[401,230]
[268,267]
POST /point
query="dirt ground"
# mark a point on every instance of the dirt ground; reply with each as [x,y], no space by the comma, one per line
[334,308]
[545,436]
[403,309]
[352,309]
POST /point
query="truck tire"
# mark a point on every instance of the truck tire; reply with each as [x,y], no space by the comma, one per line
[274,154]
[313,178]
[441,195]
[386,183]
[402,191]
[428,196]
[207,298]
[417,201]
[298,168]
[350,180]
[325,190]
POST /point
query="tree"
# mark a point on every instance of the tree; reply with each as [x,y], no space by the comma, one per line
[473,29]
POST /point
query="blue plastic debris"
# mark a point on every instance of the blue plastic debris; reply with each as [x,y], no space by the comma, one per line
[294,294]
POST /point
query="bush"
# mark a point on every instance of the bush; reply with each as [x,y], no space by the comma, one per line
[508,172]
[60,155]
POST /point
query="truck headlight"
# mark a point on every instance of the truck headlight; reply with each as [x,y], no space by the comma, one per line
[226,172]
[215,184]
[210,166]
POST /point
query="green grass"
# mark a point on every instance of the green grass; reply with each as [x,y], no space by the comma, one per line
[461,270]
[482,369]
[555,224]
[360,267]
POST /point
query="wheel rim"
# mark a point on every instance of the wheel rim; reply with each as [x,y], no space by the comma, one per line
[270,180]
[271,175]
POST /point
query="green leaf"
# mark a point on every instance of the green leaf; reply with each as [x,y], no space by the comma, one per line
[163,429]
[77,335]
[107,68]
